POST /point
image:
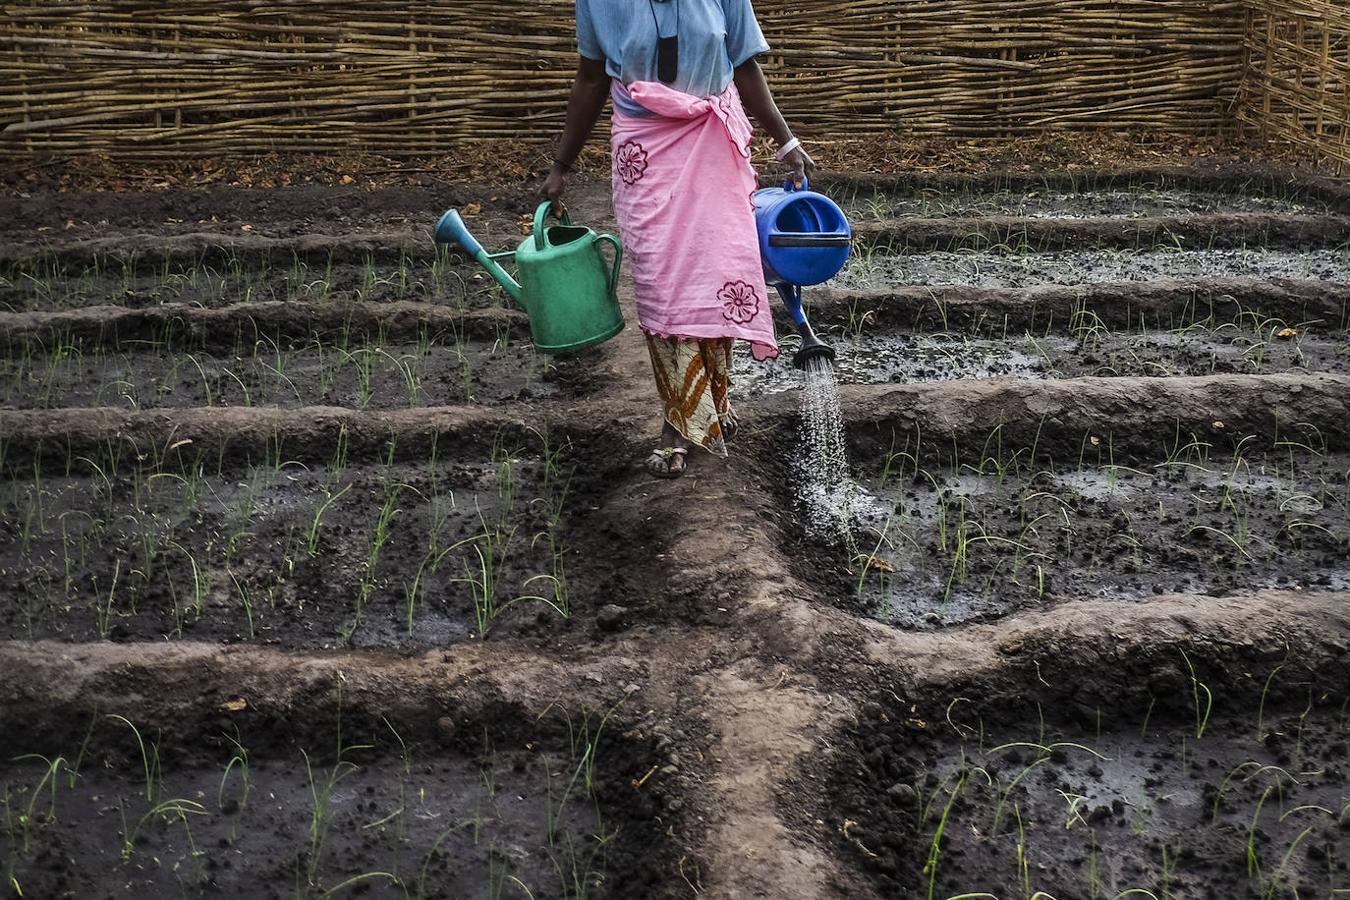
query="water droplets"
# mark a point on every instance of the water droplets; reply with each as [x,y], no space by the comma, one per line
[825,485]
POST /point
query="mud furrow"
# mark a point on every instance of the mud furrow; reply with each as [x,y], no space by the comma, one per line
[1203,232]
[1236,179]
[1157,304]
[1141,411]
[54,681]
[275,321]
[305,434]
[147,253]
[1128,408]
[1130,649]
[769,719]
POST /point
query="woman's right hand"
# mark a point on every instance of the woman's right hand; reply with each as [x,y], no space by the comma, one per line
[800,166]
[555,183]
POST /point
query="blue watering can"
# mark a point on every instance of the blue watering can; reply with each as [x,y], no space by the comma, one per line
[804,239]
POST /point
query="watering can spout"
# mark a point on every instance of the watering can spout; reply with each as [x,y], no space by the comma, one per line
[452,230]
[812,347]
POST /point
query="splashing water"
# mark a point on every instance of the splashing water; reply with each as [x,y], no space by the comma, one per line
[825,486]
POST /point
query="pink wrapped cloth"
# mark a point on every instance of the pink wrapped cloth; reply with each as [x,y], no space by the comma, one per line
[682,185]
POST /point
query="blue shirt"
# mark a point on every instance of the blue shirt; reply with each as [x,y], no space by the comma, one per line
[716,36]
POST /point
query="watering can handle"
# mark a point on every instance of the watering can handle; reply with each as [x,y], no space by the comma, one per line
[540,214]
[790,187]
[618,258]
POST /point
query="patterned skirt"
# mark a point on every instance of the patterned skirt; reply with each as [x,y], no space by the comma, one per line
[692,377]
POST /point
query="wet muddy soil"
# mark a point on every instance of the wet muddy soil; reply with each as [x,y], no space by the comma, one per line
[175,555]
[1139,201]
[932,547]
[135,811]
[1208,800]
[360,374]
[903,357]
[401,555]
[49,218]
[1014,269]
[122,279]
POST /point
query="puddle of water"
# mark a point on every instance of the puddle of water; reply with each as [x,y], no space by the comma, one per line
[1011,270]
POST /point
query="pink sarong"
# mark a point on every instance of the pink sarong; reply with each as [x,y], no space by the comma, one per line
[682,185]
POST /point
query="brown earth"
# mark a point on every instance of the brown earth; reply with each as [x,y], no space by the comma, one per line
[759,728]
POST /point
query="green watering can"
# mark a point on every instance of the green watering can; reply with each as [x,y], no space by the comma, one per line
[566,287]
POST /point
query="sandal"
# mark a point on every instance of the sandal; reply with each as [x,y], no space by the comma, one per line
[667,462]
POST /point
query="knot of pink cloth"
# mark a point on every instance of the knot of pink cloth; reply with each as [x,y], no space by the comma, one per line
[662,100]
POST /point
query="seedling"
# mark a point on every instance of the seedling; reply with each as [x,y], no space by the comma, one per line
[329,498]
[245,600]
[935,844]
[103,611]
[1197,686]
[30,819]
[238,763]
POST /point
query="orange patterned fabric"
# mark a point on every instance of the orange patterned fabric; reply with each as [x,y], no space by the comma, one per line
[692,378]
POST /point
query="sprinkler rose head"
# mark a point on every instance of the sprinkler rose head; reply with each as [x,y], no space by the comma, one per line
[812,348]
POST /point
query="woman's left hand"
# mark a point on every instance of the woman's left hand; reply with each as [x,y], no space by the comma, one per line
[800,165]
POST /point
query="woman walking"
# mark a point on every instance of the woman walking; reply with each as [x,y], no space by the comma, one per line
[682,75]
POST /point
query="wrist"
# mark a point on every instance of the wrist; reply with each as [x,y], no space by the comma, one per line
[562,168]
[786,147]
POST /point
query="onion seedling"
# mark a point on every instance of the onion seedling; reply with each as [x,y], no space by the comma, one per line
[29,818]
[329,498]
[167,809]
[103,611]
[935,845]
[245,599]
[149,757]
[1201,718]
[238,761]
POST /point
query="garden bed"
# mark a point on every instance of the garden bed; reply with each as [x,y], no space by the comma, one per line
[1085,633]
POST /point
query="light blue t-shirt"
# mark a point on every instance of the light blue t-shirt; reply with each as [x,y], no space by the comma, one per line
[716,36]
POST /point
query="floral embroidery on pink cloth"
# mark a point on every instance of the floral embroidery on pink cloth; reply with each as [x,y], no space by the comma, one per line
[740,302]
[631,162]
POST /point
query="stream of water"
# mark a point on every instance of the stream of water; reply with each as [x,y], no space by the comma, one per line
[825,484]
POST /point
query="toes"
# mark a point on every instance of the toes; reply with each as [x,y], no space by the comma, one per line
[667,463]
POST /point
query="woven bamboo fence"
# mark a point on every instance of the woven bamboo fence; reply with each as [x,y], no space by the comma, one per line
[138,79]
[1296,83]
